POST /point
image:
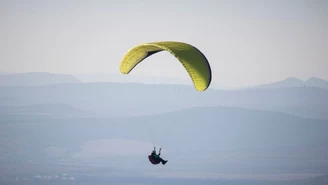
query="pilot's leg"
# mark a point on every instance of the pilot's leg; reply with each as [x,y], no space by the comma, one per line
[163,161]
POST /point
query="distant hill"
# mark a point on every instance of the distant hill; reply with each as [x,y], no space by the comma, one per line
[295,82]
[126,99]
[35,79]
[90,78]
[289,82]
[317,82]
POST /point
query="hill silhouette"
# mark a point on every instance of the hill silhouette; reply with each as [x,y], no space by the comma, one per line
[295,82]
[126,99]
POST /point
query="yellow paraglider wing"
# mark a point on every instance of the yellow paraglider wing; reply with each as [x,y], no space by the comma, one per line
[190,57]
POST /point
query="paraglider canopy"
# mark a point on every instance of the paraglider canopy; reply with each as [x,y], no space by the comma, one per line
[190,57]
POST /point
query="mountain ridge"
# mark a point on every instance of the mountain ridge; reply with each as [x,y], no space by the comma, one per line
[93,78]
[120,99]
[295,82]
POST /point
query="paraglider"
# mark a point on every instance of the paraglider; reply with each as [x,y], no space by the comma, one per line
[190,57]
[155,158]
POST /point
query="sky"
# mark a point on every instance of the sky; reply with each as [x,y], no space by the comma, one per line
[246,42]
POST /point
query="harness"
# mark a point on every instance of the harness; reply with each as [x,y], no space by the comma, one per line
[153,160]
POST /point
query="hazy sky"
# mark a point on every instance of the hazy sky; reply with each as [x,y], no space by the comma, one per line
[246,42]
